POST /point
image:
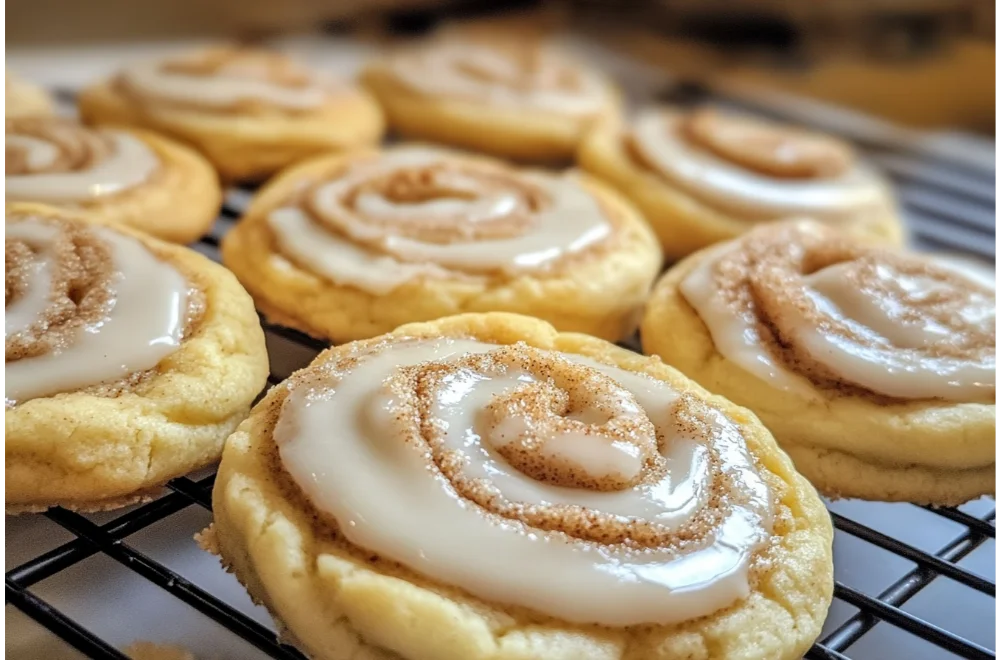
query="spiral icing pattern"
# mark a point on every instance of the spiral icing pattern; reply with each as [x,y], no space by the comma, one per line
[516,75]
[755,169]
[530,477]
[421,212]
[230,80]
[57,161]
[798,302]
[84,305]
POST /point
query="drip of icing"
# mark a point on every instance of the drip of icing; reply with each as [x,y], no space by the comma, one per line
[569,222]
[143,327]
[658,137]
[131,163]
[221,90]
[385,499]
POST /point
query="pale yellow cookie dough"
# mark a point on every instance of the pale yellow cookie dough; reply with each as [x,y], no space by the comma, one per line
[682,222]
[339,602]
[847,445]
[600,294]
[92,450]
[247,147]
[177,203]
[25,99]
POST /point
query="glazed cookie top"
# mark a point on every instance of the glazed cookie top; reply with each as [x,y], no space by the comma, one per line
[799,305]
[234,79]
[60,161]
[519,76]
[86,306]
[753,168]
[379,220]
[530,477]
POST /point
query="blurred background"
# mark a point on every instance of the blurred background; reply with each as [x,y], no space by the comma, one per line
[927,64]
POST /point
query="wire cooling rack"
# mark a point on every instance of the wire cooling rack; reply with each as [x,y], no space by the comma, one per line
[912,582]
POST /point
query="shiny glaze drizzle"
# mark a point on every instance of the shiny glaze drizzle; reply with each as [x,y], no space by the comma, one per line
[128,318]
[529,477]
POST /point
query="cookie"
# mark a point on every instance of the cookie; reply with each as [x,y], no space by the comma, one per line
[128,361]
[25,99]
[250,112]
[513,99]
[124,176]
[350,246]
[705,176]
[873,367]
[460,489]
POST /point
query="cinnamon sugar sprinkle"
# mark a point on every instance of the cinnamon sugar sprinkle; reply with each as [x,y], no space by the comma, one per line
[609,481]
[77,147]
[764,281]
[533,68]
[247,63]
[770,149]
[454,179]
[403,210]
[81,296]
[563,391]
[234,65]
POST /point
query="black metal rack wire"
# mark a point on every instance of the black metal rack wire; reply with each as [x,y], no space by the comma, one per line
[949,204]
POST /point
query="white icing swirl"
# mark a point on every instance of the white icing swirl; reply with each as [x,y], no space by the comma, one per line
[362,237]
[229,77]
[896,325]
[143,326]
[659,138]
[522,77]
[648,463]
[43,144]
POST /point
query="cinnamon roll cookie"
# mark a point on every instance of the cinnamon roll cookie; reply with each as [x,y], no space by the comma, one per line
[485,487]
[128,361]
[351,246]
[874,368]
[129,177]
[251,112]
[516,100]
[23,98]
[703,176]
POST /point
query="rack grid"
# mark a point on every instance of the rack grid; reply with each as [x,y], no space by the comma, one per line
[949,205]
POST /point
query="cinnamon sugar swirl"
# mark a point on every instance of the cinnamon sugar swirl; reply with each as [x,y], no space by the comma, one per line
[128,360]
[859,359]
[126,177]
[704,176]
[251,112]
[535,495]
[347,247]
[517,99]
